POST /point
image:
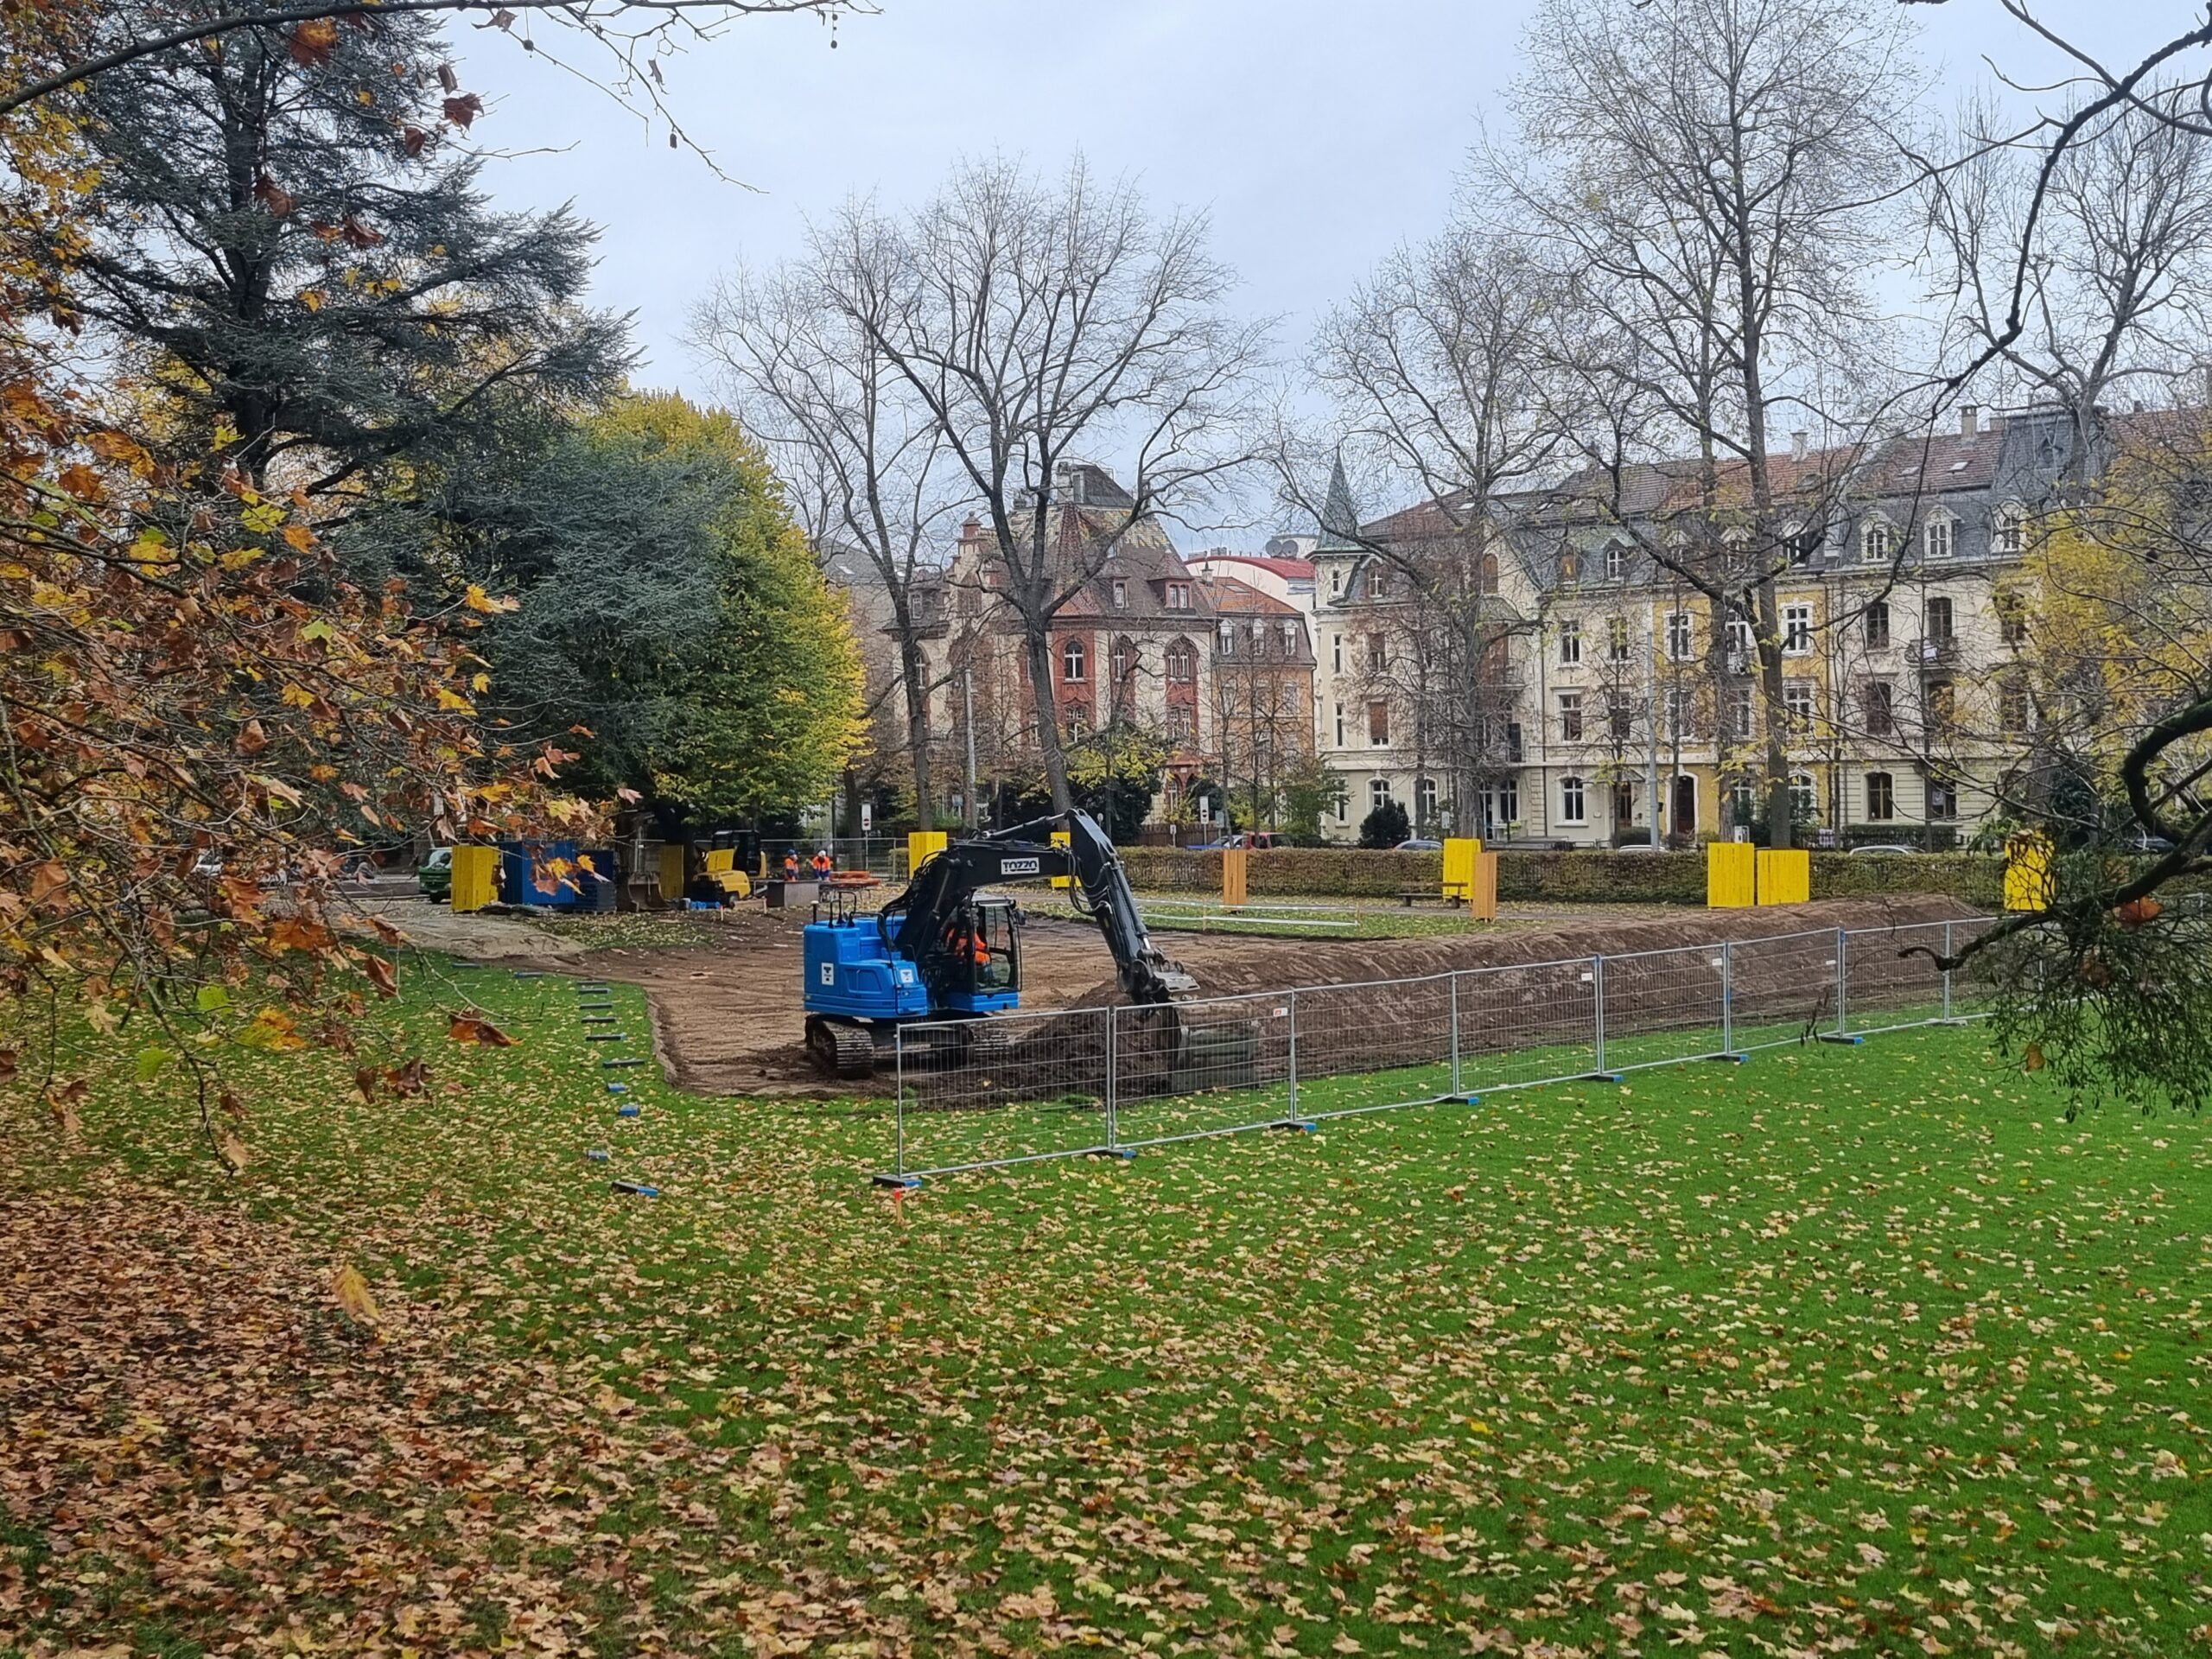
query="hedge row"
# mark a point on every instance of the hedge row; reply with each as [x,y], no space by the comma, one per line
[1585,877]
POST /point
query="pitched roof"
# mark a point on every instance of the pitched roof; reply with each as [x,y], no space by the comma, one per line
[1339,519]
[1290,569]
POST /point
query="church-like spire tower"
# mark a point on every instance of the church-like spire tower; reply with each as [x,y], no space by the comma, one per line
[1339,520]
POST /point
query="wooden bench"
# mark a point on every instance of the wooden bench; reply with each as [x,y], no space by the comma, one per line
[1409,897]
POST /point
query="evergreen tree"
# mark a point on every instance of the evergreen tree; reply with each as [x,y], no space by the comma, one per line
[285,239]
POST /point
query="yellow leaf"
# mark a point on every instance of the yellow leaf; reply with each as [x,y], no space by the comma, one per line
[480,683]
[477,599]
[353,1294]
[459,704]
[311,298]
[232,1151]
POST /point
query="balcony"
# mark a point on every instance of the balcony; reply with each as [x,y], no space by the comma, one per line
[1933,652]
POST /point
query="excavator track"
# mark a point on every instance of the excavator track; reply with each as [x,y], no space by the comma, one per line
[840,1048]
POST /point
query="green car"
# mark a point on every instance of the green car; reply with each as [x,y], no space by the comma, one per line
[434,874]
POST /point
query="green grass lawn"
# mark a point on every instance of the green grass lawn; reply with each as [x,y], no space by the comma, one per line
[1845,1348]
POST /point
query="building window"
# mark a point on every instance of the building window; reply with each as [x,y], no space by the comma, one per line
[1877,703]
[1943,800]
[1513,744]
[1288,694]
[1739,711]
[1804,540]
[1486,573]
[1125,663]
[2013,618]
[1680,636]
[1876,622]
[1226,638]
[1574,805]
[1623,806]
[1797,704]
[1739,635]
[2004,530]
[1182,722]
[1340,725]
[1620,720]
[1072,662]
[1803,809]
[1182,663]
[1343,809]
[1075,720]
[1742,803]
[1501,805]
[1289,639]
[1120,595]
[1570,716]
[1616,561]
[1337,652]
[1570,567]
[1874,542]
[1939,620]
[1378,582]
[1378,794]
[1179,595]
[1935,540]
[1425,799]
[1570,644]
[1682,717]
[1378,725]
[1796,630]
[1378,653]
[1881,797]
[1617,638]
[2012,709]
[1336,591]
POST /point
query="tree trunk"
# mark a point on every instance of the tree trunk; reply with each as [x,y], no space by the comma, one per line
[1777,713]
[914,670]
[1038,642]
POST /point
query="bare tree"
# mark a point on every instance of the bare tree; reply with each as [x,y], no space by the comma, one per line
[1436,367]
[1041,325]
[2119,293]
[803,359]
[1711,176]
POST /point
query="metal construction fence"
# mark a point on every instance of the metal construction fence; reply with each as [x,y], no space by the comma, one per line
[1107,1082]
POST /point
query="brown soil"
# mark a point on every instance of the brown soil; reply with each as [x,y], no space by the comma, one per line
[727,1017]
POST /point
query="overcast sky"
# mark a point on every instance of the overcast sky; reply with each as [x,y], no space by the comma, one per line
[1316,133]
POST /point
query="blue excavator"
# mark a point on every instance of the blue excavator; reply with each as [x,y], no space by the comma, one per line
[945,956]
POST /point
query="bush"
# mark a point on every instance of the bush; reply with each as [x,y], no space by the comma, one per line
[1385,826]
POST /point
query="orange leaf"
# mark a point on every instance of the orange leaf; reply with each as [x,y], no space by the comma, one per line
[473,1027]
[313,40]
[381,975]
[274,196]
[300,537]
[82,482]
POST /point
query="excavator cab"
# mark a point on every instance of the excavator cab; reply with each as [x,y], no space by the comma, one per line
[976,967]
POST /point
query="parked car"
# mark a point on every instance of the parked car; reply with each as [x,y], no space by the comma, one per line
[434,874]
[2139,840]
[1881,847]
[1639,847]
[1419,844]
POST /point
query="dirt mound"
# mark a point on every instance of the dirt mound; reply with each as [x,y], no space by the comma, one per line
[1347,963]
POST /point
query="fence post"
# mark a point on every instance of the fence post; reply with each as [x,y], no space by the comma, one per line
[1293,1053]
[1727,996]
[899,1069]
[1455,1031]
[1842,983]
[1112,1025]
[1597,1010]
[1947,973]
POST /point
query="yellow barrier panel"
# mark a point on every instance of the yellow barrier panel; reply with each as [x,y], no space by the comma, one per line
[1481,896]
[475,877]
[921,843]
[1731,875]
[671,873]
[1459,856]
[1234,871]
[1785,876]
[2030,880]
[1062,838]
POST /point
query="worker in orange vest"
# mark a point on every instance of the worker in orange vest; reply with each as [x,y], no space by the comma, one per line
[823,865]
[790,864]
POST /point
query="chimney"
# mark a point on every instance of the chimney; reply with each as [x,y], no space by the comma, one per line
[1969,422]
[1796,446]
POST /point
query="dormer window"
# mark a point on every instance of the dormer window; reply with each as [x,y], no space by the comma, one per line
[1936,541]
[1179,595]
[1874,542]
[1121,594]
[2004,530]
[1336,583]
[1570,567]
[1226,638]
[1616,562]
[1378,582]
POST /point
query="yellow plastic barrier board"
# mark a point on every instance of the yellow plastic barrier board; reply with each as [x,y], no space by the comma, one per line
[2030,880]
[475,877]
[671,872]
[921,844]
[1481,892]
[1732,874]
[1459,856]
[1785,876]
[1062,838]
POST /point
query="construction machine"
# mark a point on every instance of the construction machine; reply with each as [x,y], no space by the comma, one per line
[945,956]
